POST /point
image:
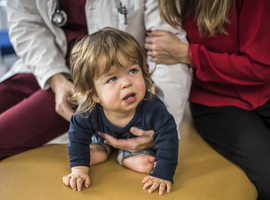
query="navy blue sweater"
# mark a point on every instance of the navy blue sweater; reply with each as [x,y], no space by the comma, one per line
[150,115]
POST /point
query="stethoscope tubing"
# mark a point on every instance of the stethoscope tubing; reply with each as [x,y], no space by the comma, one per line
[59,17]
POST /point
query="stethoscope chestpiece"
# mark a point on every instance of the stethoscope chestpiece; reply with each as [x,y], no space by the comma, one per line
[59,18]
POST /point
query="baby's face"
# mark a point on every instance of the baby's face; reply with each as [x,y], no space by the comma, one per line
[120,89]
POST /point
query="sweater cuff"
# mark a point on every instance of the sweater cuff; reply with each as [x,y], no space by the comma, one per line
[165,169]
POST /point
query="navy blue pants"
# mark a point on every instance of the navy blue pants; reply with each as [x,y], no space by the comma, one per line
[241,136]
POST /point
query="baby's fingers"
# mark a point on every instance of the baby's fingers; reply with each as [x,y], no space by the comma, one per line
[87,182]
[169,187]
[73,183]
[145,179]
[153,187]
[161,188]
[147,183]
[79,184]
[66,180]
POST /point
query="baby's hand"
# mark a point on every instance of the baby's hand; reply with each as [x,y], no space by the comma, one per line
[76,179]
[155,183]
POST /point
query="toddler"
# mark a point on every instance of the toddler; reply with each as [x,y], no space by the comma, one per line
[112,95]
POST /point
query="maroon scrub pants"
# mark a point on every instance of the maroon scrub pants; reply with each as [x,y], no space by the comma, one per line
[27,115]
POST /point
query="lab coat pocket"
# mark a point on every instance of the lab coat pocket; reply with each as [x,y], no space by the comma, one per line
[133,20]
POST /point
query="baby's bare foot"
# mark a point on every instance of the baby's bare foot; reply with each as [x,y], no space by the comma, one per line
[142,163]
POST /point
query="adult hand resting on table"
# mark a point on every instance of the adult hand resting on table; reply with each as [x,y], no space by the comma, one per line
[143,141]
[63,89]
[166,48]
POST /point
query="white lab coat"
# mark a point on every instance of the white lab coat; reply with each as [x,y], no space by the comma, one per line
[42,46]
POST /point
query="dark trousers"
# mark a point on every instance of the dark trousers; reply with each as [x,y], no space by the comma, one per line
[241,136]
[27,115]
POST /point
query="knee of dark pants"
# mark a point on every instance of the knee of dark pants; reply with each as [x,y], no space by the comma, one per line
[263,188]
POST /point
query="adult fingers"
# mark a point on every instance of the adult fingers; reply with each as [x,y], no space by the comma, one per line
[148,46]
[71,89]
[140,132]
[67,111]
[156,33]
[64,109]
[162,60]
[132,144]
[110,140]
[155,45]
[125,144]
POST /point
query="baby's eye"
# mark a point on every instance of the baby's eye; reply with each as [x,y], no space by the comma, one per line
[111,80]
[133,71]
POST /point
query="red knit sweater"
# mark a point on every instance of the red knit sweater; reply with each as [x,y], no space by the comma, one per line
[233,69]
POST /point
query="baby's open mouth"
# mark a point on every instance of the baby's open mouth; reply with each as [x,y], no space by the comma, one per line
[129,96]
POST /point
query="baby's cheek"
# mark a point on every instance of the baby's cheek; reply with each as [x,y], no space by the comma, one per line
[143,87]
[111,98]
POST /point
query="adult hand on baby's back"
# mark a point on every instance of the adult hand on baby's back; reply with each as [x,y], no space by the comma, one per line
[143,141]
[63,89]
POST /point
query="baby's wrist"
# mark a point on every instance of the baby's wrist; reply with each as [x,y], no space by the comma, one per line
[81,169]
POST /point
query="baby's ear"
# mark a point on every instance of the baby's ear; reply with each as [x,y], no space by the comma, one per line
[95,97]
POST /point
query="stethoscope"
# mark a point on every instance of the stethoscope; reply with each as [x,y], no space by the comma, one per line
[59,17]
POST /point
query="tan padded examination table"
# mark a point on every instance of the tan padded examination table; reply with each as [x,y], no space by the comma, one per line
[202,174]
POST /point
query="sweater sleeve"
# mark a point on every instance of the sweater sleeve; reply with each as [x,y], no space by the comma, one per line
[250,66]
[79,139]
[34,42]
[166,144]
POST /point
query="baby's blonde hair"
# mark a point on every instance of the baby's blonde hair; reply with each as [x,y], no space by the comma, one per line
[94,55]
